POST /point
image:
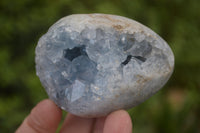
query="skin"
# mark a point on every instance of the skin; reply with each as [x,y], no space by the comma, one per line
[46,116]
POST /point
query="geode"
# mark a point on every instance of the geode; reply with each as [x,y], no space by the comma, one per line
[93,64]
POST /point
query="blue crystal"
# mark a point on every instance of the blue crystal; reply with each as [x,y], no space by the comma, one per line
[91,65]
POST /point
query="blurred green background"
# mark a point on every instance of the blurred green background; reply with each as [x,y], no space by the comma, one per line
[174,109]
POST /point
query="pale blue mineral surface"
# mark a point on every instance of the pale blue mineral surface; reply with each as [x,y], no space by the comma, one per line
[93,64]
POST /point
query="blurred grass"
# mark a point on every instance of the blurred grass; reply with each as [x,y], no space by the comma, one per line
[176,108]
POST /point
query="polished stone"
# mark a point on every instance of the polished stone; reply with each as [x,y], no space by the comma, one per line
[93,64]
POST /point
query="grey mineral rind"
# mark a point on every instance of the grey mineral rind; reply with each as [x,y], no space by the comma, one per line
[121,63]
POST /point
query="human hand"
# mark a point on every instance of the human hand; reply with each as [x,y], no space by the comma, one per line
[46,116]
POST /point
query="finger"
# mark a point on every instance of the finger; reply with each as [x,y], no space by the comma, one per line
[75,124]
[118,122]
[99,125]
[44,118]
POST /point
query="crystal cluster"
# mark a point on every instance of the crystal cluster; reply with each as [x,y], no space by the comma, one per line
[93,64]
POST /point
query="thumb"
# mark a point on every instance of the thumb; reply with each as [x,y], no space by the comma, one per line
[44,118]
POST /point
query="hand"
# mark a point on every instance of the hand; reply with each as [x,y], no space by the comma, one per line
[45,117]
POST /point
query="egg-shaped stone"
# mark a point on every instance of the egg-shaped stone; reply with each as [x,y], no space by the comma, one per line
[93,64]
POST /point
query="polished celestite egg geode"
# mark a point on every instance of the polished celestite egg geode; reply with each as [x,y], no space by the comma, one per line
[93,64]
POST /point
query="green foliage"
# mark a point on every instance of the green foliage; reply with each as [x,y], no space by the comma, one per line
[174,109]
